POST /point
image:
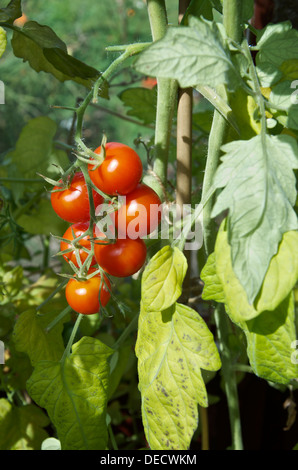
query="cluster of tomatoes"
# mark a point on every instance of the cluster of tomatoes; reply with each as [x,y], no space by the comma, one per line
[85,245]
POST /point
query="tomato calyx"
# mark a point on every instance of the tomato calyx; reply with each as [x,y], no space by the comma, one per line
[65,178]
[98,158]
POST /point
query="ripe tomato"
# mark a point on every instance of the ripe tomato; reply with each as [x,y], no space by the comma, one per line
[122,258]
[83,295]
[72,203]
[75,231]
[120,172]
[140,214]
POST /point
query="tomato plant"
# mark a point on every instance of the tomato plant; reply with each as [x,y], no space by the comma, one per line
[178,332]
[123,258]
[120,172]
[71,202]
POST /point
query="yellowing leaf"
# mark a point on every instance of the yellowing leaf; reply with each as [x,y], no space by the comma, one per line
[279,280]
[270,337]
[162,279]
[244,110]
[172,348]
[289,68]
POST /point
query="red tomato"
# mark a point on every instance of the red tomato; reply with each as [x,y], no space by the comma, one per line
[140,213]
[83,295]
[72,203]
[120,172]
[122,258]
[77,230]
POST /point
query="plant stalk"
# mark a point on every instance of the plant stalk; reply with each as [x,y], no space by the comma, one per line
[232,20]
[229,375]
[166,100]
[67,350]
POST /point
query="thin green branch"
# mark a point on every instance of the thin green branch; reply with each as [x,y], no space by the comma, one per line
[229,375]
[67,350]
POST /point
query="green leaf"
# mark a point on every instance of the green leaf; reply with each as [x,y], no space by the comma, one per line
[219,103]
[118,365]
[244,110]
[270,327]
[163,278]
[259,191]
[277,43]
[212,284]
[42,220]
[74,394]
[142,103]
[198,9]
[282,273]
[172,347]
[269,343]
[222,285]
[194,55]
[3,41]
[247,10]
[11,12]
[30,337]
[21,428]
[45,51]
[282,96]
[289,69]
[268,74]
[34,148]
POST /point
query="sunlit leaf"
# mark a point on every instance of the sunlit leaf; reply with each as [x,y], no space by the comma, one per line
[269,343]
[30,336]
[45,51]
[172,348]
[74,394]
[163,278]
[21,427]
[259,190]
[193,55]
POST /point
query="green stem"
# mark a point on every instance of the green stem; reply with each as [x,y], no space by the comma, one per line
[232,19]
[166,100]
[71,339]
[58,318]
[58,289]
[131,327]
[216,139]
[229,375]
[257,89]
[87,178]
[129,51]
[23,209]
[158,19]
[232,14]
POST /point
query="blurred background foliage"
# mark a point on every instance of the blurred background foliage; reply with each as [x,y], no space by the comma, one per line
[86,32]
